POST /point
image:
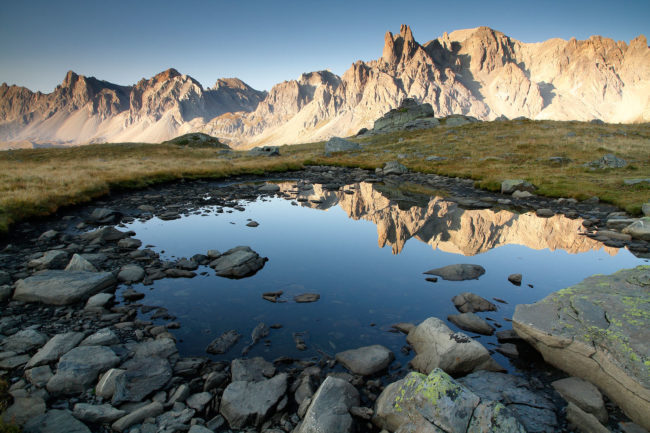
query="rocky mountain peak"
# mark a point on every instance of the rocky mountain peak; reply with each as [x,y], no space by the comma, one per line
[70,78]
[399,48]
[166,75]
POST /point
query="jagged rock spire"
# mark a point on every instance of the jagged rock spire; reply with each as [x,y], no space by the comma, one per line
[401,47]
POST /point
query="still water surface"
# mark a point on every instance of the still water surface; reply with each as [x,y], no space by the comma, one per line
[365,255]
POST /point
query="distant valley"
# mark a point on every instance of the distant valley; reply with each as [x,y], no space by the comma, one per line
[477,72]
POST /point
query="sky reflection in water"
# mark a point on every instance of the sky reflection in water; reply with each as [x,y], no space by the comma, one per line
[361,284]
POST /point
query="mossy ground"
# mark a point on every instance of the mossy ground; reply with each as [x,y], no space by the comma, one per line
[39,181]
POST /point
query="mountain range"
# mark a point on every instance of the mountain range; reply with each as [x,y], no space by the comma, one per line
[478,72]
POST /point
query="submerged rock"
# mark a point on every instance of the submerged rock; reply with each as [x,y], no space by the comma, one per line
[460,272]
[223,343]
[598,330]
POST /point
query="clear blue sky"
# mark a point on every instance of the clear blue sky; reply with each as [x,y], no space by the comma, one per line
[268,41]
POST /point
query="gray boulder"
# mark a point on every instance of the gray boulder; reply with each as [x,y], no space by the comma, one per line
[367,360]
[55,421]
[24,341]
[105,234]
[471,322]
[142,377]
[102,215]
[39,376]
[607,161]
[598,330]
[337,144]
[509,186]
[531,407]
[404,116]
[78,263]
[394,167]
[131,274]
[79,368]
[265,151]
[459,120]
[427,403]
[99,300]
[467,302]
[62,287]
[437,346]
[458,272]
[56,259]
[250,403]
[239,262]
[329,408]
[57,346]
[639,229]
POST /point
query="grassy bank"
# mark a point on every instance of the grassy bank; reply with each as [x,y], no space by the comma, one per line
[37,182]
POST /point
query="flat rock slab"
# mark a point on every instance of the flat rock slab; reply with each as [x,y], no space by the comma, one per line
[55,348]
[142,377]
[245,403]
[62,287]
[366,360]
[598,330]
[239,262]
[583,394]
[460,272]
[79,368]
[24,341]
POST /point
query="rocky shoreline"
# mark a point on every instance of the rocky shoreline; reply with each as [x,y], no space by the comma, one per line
[78,361]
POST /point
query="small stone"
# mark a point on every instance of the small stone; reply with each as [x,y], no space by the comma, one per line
[137,416]
[471,322]
[104,413]
[131,274]
[458,272]
[199,401]
[39,376]
[583,394]
[515,279]
[306,297]
[103,337]
[224,342]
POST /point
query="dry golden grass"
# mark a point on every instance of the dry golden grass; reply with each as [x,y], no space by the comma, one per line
[37,182]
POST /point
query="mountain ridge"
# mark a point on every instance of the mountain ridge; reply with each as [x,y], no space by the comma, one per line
[479,72]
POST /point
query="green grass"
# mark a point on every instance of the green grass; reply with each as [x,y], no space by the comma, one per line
[37,182]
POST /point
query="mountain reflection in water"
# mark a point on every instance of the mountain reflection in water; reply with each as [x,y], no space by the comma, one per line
[445,225]
[322,239]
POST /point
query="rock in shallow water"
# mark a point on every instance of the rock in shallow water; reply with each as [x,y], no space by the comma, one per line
[223,343]
[437,346]
[471,322]
[458,272]
[467,302]
[239,262]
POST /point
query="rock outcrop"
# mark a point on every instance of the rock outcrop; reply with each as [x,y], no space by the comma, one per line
[598,330]
[478,73]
